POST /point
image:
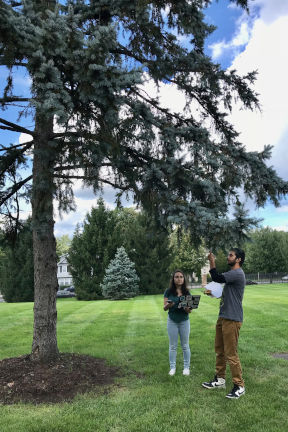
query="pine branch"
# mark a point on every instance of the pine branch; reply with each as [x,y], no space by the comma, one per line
[114,185]
[13,99]
[26,145]
[73,167]
[181,120]
[125,51]
[79,134]
[9,215]
[15,4]
[15,64]
[15,188]
[14,127]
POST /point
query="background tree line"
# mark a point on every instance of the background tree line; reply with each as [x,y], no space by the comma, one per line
[155,253]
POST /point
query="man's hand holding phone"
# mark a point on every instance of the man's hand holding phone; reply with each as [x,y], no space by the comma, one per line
[207,292]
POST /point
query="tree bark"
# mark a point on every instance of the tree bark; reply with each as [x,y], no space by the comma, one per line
[44,346]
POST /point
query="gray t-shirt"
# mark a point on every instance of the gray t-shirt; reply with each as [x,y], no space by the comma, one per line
[232,296]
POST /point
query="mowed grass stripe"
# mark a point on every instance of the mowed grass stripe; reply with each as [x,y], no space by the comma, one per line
[16,329]
[154,401]
[94,329]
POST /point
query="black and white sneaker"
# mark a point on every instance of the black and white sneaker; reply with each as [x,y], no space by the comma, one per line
[215,383]
[236,392]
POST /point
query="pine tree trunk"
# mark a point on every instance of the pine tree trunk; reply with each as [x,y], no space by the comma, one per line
[44,346]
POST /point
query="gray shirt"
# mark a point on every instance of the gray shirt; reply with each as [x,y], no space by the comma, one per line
[232,296]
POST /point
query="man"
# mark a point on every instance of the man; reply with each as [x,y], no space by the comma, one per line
[229,322]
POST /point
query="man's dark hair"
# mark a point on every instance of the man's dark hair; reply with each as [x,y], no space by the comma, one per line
[239,254]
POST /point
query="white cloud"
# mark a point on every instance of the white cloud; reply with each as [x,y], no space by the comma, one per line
[281,228]
[265,53]
[240,39]
[270,10]
[23,138]
[283,209]
[85,199]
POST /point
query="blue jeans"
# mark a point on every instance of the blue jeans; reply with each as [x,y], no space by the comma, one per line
[182,329]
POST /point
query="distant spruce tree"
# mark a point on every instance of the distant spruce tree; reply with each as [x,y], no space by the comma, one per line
[120,280]
[16,266]
[91,119]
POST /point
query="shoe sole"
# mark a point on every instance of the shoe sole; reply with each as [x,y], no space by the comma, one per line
[222,386]
[233,397]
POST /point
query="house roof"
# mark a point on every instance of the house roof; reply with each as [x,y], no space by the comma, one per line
[63,260]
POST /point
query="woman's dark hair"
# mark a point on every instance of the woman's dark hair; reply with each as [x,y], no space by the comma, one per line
[172,287]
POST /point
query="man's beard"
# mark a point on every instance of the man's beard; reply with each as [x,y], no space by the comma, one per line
[231,264]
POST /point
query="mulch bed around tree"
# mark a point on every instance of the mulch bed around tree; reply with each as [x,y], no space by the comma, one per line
[281,355]
[24,380]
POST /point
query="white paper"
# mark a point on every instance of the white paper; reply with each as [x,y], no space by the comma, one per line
[215,288]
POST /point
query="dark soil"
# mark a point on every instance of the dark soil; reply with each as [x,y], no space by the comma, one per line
[281,355]
[24,380]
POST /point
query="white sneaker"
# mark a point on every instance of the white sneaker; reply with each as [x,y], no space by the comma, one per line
[236,392]
[172,372]
[186,371]
[215,383]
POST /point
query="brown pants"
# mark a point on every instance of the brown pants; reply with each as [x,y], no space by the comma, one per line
[226,342]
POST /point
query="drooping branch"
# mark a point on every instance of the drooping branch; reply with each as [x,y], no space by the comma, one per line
[74,167]
[26,145]
[13,99]
[165,111]
[15,4]
[15,188]
[15,64]
[77,134]
[100,180]
[14,127]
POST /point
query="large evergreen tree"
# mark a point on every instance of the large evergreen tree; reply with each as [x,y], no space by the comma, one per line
[89,253]
[107,230]
[149,248]
[92,120]
[16,266]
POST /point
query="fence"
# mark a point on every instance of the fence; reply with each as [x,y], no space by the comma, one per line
[263,278]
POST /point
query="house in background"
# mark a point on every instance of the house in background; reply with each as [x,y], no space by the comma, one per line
[63,273]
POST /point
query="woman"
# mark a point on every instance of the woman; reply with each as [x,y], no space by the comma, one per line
[178,321]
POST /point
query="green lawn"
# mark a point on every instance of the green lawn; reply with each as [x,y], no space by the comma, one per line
[133,334]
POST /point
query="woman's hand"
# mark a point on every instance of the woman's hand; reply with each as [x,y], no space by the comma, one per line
[187,310]
[168,305]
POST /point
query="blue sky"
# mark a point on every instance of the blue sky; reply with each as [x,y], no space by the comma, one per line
[242,42]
